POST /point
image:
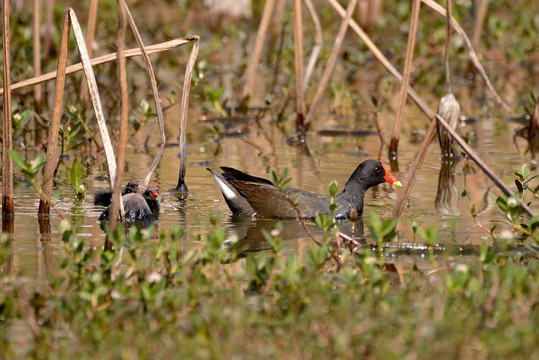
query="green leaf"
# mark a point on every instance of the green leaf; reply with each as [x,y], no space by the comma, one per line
[30,169]
[523,172]
[38,162]
[502,203]
[518,183]
[18,160]
[273,177]
[77,174]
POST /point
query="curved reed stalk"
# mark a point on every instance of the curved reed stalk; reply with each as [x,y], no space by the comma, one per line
[181,188]
[153,82]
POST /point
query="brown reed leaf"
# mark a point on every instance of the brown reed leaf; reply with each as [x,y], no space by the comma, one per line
[151,49]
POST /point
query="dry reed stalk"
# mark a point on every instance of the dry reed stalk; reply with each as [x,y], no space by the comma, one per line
[90,35]
[298,65]
[36,38]
[391,69]
[94,95]
[447,46]
[331,61]
[7,140]
[47,36]
[484,167]
[471,52]
[381,58]
[117,202]
[414,21]
[405,193]
[277,22]
[257,53]
[48,177]
[181,188]
[481,13]
[153,82]
[317,46]
[152,49]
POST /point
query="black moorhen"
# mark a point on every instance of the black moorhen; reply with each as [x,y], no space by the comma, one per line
[152,199]
[253,196]
[103,198]
[137,207]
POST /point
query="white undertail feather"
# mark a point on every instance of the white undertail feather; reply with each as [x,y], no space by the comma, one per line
[227,192]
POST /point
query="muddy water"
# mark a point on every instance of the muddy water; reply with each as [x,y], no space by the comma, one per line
[264,147]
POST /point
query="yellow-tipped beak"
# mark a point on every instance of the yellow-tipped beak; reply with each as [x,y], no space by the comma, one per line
[390,178]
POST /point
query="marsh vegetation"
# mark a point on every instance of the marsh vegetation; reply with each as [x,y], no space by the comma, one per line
[450,271]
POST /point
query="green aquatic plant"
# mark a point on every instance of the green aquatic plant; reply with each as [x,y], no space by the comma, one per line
[523,227]
[148,113]
[29,168]
[214,100]
[382,231]
[77,177]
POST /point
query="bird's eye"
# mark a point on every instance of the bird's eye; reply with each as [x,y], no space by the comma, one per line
[378,170]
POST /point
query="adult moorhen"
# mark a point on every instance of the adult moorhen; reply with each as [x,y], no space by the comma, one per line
[104,198]
[137,207]
[249,195]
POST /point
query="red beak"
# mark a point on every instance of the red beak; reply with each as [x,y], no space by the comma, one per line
[390,178]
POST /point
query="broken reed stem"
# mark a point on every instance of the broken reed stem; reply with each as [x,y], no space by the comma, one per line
[181,188]
[447,46]
[54,128]
[94,95]
[36,39]
[117,202]
[156,99]
[257,53]
[317,46]
[331,61]
[90,34]
[468,150]
[7,141]
[481,12]
[403,197]
[298,65]
[414,21]
[152,49]
[471,52]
